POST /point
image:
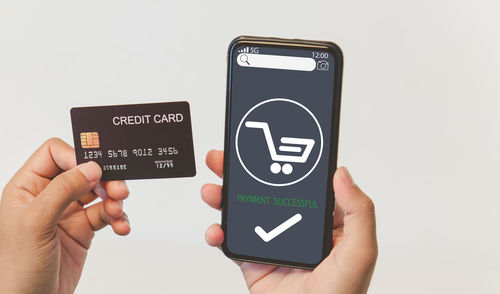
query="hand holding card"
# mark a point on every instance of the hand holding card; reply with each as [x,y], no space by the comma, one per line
[138,141]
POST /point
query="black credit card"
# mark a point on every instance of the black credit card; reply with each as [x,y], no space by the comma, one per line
[137,141]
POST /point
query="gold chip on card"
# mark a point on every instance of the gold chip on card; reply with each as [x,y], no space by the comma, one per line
[89,139]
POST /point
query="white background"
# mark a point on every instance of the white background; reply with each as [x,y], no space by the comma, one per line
[419,130]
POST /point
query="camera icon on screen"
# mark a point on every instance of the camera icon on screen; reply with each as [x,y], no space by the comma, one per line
[322,65]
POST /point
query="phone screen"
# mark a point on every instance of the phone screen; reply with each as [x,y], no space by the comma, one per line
[281,148]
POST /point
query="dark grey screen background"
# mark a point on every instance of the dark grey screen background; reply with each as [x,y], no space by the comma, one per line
[303,242]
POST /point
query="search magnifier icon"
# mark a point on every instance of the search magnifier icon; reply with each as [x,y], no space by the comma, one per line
[244,58]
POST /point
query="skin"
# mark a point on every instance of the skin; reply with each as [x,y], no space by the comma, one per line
[44,231]
[47,225]
[347,269]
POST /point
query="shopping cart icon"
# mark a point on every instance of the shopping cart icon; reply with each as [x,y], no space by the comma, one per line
[292,145]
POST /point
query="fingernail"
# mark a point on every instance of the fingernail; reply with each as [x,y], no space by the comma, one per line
[100,191]
[207,232]
[90,170]
[123,186]
[346,176]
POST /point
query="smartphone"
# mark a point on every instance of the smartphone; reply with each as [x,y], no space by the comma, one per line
[280,150]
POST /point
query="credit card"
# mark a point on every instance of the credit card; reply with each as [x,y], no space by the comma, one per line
[136,141]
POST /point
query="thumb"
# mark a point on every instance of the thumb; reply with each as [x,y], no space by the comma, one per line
[355,255]
[359,219]
[65,188]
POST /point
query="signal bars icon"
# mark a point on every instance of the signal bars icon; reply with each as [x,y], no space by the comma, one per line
[244,50]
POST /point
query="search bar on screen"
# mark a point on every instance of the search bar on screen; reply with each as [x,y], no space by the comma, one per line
[276,62]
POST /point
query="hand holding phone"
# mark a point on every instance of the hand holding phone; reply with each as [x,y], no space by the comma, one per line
[349,266]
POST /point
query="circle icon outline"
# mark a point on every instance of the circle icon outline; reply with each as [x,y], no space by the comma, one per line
[320,135]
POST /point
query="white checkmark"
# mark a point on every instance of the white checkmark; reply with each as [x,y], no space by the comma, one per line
[279,229]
